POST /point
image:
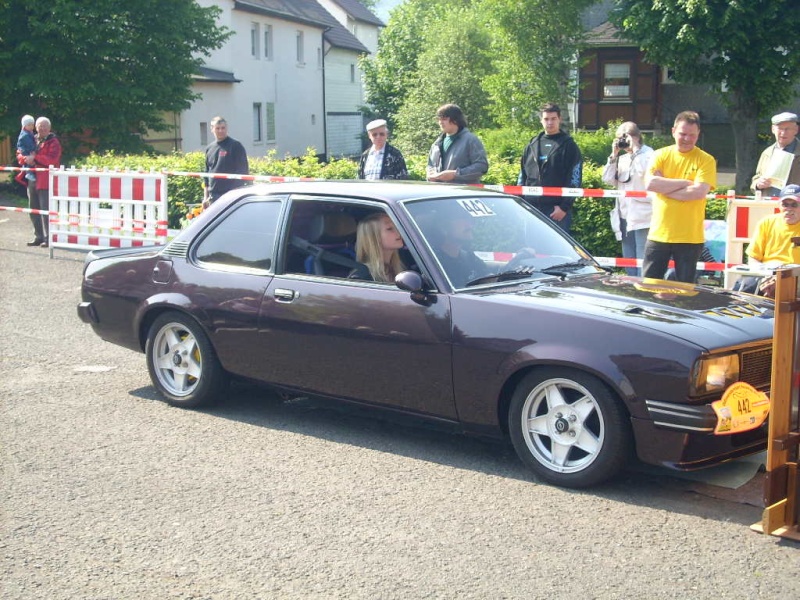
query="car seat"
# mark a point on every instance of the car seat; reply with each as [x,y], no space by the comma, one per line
[331,245]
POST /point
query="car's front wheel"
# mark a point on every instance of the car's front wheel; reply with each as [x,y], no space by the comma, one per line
[182,363]
[568,427]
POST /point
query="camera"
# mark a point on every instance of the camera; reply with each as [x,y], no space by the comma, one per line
[622,142]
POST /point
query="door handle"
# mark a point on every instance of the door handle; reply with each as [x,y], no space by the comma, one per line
[284,295]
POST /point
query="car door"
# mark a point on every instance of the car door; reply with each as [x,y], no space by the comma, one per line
[358,340]
[230,270]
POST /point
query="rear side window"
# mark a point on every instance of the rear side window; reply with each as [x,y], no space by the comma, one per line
[245,238]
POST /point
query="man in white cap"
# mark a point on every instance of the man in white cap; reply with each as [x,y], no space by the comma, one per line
[381,160]
[784,128]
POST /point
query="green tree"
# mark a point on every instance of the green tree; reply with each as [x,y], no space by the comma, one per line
[390,75]
[748,51]
[451,68]
[534,44]
[104,71]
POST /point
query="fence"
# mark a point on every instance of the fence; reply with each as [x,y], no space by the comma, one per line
[90,209]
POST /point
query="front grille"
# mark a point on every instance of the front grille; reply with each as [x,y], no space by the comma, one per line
[756,367]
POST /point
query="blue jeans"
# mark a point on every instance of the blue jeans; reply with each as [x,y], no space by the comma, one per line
[633,245]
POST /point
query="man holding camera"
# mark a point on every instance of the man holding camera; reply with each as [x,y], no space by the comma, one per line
[625,170]
[552,159]
[681,176]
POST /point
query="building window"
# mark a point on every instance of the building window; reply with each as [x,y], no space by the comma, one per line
[204,134]
[257,131]
[617,80]
[352,73]
[319,58]
[270,121]
[352,26]
[301,57]
[255,39]
[268,42]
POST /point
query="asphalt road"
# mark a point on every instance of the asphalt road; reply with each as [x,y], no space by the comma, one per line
[107,492]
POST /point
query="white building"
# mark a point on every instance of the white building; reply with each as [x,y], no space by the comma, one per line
[356,35]
[286,80]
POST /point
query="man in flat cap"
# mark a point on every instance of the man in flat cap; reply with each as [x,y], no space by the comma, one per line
[784,128]
[381,160]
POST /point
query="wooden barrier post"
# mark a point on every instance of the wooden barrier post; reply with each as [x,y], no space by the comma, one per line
[781,485]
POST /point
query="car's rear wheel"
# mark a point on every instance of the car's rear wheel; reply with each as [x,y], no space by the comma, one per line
[569,428]
[182,363]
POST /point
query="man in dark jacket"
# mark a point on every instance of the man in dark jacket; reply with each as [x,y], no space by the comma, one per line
[224,155]
[552,159]
[381,160]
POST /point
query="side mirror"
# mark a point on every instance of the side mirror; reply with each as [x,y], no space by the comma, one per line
[411,281]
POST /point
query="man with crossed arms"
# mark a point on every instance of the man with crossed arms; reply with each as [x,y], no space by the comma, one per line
[681,176]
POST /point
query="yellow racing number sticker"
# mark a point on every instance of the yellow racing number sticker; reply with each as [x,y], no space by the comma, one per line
[741,408]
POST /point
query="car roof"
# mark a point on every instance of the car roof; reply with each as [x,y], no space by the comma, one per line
[390,192]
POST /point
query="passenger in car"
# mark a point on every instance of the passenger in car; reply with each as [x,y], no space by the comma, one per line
[377,246]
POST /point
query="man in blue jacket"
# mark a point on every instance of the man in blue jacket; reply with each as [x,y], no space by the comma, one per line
[552,159]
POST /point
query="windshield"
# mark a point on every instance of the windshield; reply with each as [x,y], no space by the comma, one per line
[487,239]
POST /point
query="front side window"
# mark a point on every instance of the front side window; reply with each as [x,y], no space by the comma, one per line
[244,239]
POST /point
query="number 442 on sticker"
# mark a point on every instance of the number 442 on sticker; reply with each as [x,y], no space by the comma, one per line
[741,408]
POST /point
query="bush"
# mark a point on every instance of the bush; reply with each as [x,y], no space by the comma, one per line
[182,192]
[590,223]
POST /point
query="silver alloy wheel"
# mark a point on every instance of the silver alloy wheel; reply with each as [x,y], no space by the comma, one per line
[563,425]
[177,360]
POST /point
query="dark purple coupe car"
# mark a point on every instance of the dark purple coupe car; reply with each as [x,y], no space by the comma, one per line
[501,324]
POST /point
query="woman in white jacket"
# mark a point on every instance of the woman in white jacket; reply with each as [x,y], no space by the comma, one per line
[625,170]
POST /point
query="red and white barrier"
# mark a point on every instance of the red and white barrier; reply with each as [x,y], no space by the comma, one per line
[93,209]
[90,209]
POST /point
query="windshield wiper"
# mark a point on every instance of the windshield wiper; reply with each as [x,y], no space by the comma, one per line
[559,270]
[520,273]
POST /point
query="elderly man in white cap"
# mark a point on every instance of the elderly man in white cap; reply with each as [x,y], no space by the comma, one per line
[766,179]
[381,160]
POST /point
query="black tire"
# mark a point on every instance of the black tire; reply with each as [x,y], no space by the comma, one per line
[569,428]
[182,363]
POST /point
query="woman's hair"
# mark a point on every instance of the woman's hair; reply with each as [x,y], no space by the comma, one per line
[369,249]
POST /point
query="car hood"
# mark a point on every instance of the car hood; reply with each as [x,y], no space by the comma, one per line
[708,317]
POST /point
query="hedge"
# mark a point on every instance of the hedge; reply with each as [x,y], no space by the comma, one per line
[590,225]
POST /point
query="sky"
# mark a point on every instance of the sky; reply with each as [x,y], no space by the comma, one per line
[383,7]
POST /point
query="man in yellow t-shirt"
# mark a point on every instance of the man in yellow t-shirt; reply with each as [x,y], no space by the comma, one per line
[773,244]
[681,176]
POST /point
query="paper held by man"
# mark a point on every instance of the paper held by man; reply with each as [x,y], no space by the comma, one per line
[778,168]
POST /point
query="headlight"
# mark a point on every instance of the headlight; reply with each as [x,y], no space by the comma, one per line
[714,374]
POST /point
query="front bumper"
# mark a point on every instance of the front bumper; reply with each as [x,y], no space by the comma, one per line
[87,313]
[681,417]
[682,437]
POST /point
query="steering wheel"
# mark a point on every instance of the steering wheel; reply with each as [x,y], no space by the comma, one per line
[520,257]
